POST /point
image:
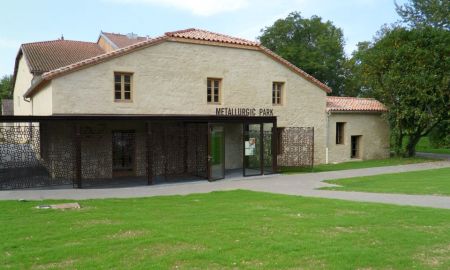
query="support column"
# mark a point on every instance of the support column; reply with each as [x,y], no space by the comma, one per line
[149,154]
[78,183]
[275,147]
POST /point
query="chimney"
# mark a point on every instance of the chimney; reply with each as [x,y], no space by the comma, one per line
[132,35]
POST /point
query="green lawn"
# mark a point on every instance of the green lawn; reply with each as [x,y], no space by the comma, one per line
[432,182]
[424,146]
[356,165]
[224,230]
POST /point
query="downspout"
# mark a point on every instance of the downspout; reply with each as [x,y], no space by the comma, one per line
[328,136]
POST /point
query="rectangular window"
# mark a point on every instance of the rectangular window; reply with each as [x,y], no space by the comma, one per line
[340,132]
[277,93]
[122,86]
[213,90]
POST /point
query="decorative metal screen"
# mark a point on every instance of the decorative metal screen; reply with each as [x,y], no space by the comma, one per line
[179,150]
[297,147]
[26,161]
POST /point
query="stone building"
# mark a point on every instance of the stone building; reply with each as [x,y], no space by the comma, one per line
[187,104]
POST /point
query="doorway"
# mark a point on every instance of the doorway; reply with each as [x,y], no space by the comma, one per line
[216,152]
[355,147]
[123,149]
[258,149]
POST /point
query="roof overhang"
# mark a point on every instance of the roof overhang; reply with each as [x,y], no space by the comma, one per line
[140,117]
[356,111]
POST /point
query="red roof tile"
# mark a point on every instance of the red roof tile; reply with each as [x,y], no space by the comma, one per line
[49,55]
[336,104]
[199,34]
[122,41]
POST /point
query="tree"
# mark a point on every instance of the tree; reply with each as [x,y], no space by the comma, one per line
[6,87]
[408,70]
[418,13]
[353,83]
[316,47]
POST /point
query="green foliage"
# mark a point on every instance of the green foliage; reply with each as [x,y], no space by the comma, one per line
[419,13]
[312,45]
[354,84]
[407,70]
[430,182]
[6,87]
[440,135]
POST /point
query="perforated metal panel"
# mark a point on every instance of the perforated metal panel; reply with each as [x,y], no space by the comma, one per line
[297,147]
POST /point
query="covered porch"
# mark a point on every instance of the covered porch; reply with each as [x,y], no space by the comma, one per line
[95,150]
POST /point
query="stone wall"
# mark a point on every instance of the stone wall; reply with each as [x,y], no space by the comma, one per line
[373,129]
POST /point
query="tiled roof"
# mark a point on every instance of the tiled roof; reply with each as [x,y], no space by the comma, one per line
[188,34]
[49,55]
[122,41]
[199,34]
[336,104]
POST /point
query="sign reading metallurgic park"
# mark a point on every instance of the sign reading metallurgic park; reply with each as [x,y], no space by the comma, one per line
[244,112]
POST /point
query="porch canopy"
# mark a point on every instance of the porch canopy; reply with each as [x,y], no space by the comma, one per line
[78,149]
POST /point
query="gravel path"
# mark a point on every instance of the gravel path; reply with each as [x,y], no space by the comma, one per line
[296,184]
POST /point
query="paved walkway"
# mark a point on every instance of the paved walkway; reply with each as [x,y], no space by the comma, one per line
[298,184]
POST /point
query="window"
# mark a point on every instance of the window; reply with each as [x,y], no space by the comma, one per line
[340,132]
[122,86]
[213,90]
[280,147]
[277,93]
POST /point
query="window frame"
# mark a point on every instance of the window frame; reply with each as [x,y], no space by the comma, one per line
[340,133]
[122,75]
[280,96]
[219,94]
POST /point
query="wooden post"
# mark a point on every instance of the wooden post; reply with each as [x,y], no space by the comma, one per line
[185,148]
[149,154]
[275,147]
[78,156]
[261,147]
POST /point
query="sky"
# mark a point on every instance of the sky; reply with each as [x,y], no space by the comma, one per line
[25,21]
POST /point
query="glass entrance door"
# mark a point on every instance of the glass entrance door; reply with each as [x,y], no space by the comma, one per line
[216,152]
[253,149]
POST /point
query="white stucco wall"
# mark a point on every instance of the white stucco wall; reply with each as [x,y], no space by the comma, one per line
[23,82]
[373,129]
[170,78]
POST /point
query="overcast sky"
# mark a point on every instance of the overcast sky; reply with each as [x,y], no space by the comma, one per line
[28,21]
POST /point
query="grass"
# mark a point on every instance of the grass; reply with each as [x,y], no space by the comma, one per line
[431,182]
[356,165]
[224,230]
[424,146]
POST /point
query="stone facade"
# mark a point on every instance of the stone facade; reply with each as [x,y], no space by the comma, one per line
[373,129]
[170,79]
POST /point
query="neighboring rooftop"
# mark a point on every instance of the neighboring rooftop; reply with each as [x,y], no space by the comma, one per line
[49,55]
[121,41]
[7,107]
[353,104]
